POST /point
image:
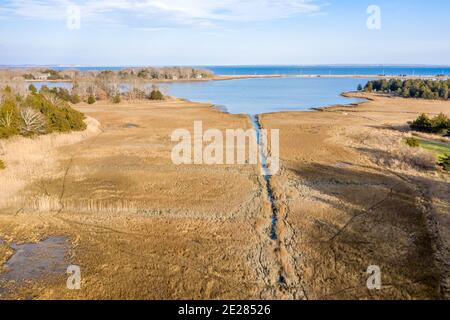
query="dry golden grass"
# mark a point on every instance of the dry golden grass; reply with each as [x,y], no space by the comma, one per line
[31,159]
[189,231]
[389,150]
[349,195]
[352,194]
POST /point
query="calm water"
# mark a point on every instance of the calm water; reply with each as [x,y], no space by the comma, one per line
[333,70]
[255,96]
[38,85]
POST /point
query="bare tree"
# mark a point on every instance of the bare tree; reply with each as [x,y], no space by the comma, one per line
[33,122]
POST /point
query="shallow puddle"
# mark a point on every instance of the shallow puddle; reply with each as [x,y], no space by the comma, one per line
[34,261]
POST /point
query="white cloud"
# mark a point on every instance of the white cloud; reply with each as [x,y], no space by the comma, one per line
[164,13]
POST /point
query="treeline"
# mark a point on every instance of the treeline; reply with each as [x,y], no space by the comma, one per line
[166,73]
[49,73]
[113,85]
[36,113]
[92,93]
[424,89]
[149,73]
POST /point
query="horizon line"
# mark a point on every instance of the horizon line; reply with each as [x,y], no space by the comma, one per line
[224,65]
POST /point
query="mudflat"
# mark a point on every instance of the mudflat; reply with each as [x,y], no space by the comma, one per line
[139,227]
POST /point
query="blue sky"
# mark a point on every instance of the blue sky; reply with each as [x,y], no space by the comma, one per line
[222,32]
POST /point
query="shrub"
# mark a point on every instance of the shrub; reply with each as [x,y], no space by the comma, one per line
[75,98]
[439,124]
[2,165]
[28,76]
[422,124]
[61,118]
[156,95]
[60,93]
[91,99]
[37,114]
[32,88]
[9,119]
[412,142]
[444,162]
[116,99]
[33,122]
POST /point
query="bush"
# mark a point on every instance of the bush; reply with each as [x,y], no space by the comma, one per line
[61,93]
[9,119]
[116,99]
[91,99]
[33,122]
[156,95]
[75,98]
[412,142]
[61,118]
[422,124]
[439,124]
[32,88]
[444,162]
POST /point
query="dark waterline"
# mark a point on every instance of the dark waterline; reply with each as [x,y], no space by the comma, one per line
[265,170]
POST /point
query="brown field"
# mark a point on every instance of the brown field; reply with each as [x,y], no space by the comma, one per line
[350,194]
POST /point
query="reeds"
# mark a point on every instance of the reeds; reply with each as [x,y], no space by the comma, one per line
[30,159]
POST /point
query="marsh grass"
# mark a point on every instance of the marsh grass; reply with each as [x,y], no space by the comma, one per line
[389,150]
[32,159]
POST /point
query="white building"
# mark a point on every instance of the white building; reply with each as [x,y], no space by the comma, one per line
[41,76]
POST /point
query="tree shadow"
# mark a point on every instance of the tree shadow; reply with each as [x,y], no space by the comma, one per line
[372,219]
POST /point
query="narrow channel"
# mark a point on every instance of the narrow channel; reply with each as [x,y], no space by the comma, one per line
[265,171]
